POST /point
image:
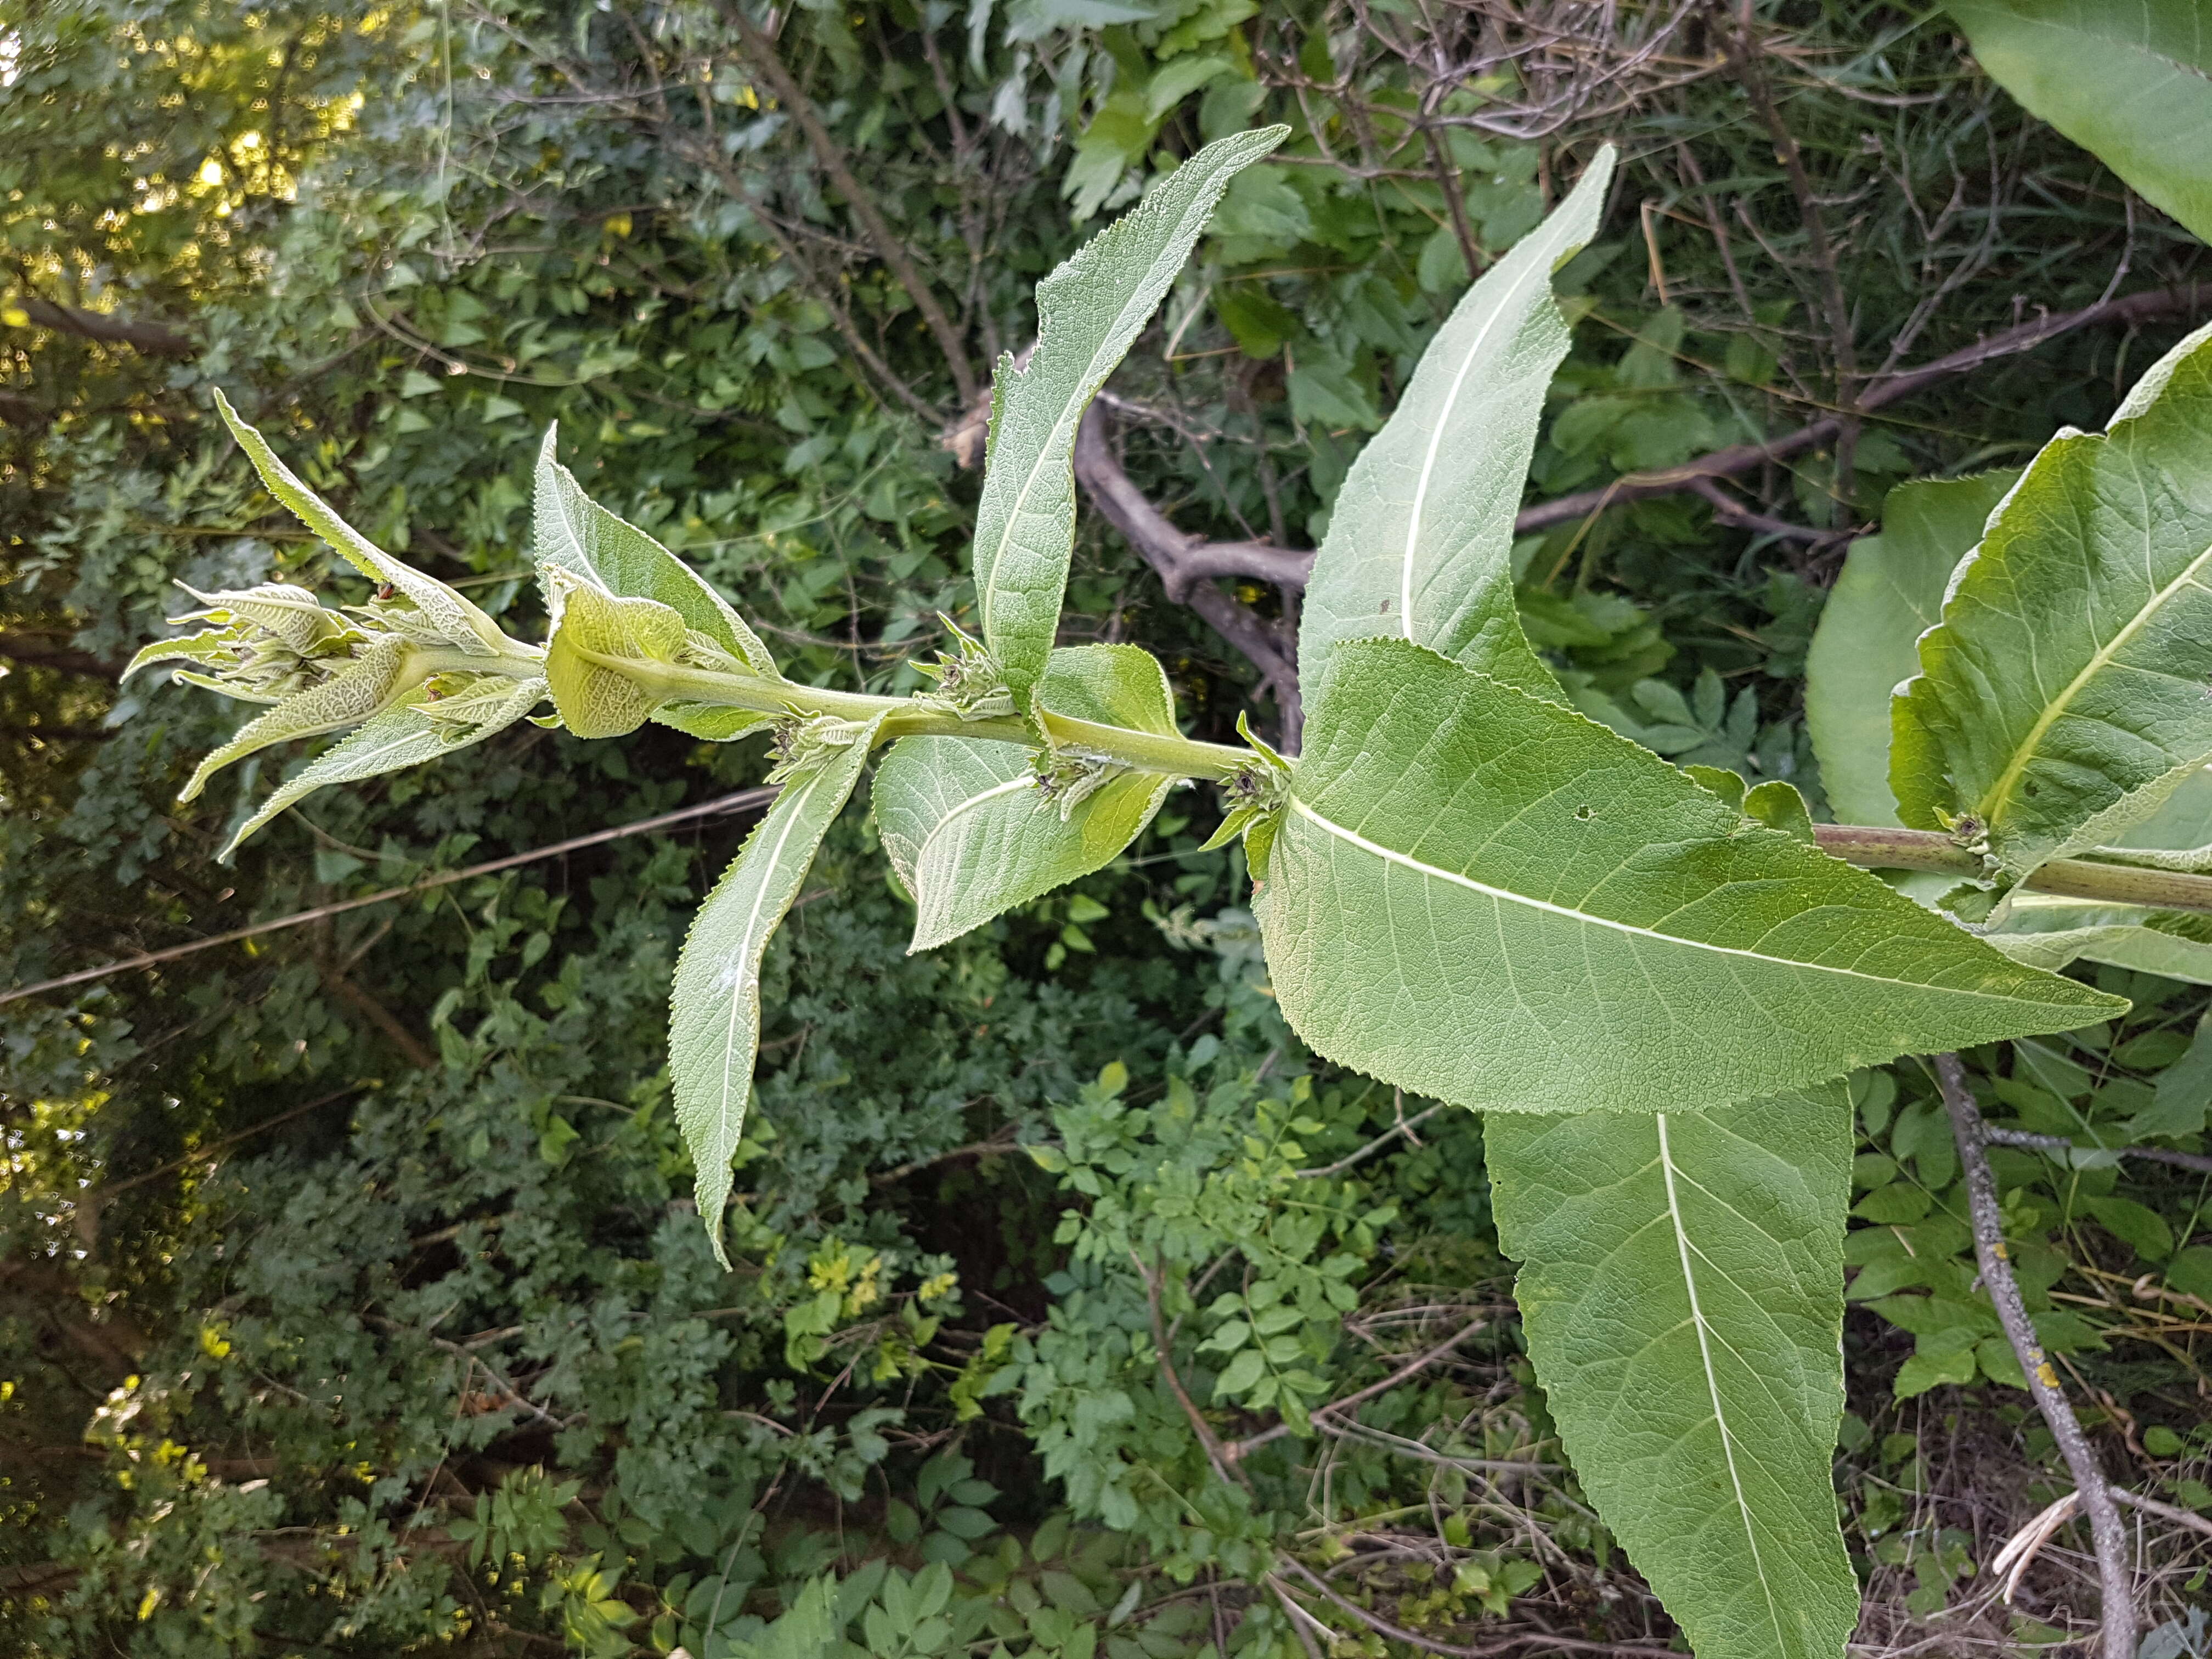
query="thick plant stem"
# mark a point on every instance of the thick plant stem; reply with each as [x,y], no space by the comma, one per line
[2108,1537]
[1876,847]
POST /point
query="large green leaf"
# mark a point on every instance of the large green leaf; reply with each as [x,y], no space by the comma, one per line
[1419,541]
[452,614]
[2129,81]
[1480,895]
[594,700]
[1089,313]
[1682,1294]
[714,1025]
[967,825]
[1890,593]
[2062,698]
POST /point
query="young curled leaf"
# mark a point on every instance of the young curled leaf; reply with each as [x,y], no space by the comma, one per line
[971,828]
[446,614]
[577,534]
[267,643]
[593,631]
[409,735]
[381,675]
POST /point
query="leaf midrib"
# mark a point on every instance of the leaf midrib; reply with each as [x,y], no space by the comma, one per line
[1354,838]
[968,804]
[1436,442]
[1712,1380]
[1999,797]
[1020,503]
[738,1001]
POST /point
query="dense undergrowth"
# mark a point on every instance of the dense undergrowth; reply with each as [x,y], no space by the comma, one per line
[350,1300]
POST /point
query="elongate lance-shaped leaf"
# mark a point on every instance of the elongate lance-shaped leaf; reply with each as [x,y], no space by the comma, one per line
[2129,81]
[1419,541]
[1889,594]
[2050,932]
[1682,1295]
[1089,313]
[2062,698]
[714,1027]
[971,828]
[1481,896]
[463,625]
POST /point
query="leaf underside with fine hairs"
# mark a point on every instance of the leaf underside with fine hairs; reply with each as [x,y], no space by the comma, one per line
[2131,82]
[391,742]
[2062,699]
[1889,592]
[1682,1294]
[714,1027]
[575,533]
[1420,538]
[2051,932]
[1089,313]
[965,826]
[1482,897]
[463,624]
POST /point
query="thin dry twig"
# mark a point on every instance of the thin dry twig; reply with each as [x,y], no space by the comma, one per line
[2117,1618]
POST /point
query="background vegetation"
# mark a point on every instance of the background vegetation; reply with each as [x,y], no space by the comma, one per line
[348,1303]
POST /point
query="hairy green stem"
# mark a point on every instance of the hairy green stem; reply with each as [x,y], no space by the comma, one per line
[1872,848]
[1148,752]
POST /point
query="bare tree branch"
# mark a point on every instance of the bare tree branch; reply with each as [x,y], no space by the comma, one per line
[888,245]
[150,339]
[1991,1253]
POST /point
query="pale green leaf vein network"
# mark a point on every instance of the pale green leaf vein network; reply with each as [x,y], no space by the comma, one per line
[1712,1380]
[1354,838]
[2002,794]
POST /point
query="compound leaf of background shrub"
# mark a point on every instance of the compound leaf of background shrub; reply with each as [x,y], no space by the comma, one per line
[394,740]
[714,1024]
[1482,897]
[1890,593]
[1419,541]
[2062,698]
[454,616]
[1089,313]
[1683,1299]
[966,826]
[2130,82]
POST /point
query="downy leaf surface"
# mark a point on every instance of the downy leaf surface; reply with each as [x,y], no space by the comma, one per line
[594,700]
[575,533]
[2048,932]
[1889,592]
[1482,897]
[1089,313]
[1419,541]
[970,833]
[463,625]
[390,742]
[1682,1294]
[2129,81]
[714,1027]
[371,683]
[2061,697]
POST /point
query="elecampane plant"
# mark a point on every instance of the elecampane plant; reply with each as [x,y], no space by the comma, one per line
[1648,978]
